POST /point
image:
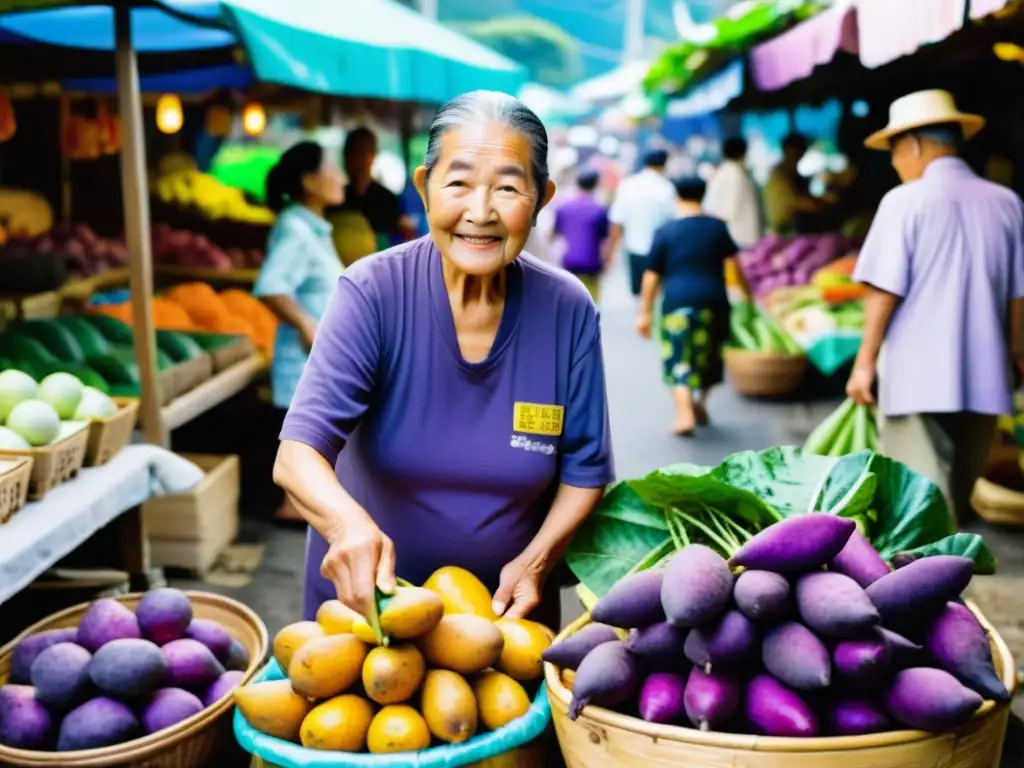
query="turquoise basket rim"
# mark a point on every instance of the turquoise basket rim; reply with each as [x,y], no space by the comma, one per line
[285,754]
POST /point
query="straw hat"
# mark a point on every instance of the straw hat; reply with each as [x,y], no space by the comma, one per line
[917,110]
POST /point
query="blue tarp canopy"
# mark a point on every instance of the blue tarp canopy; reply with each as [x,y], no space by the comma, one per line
[370,48]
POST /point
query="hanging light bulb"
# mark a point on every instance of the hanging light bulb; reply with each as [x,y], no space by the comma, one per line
[254,118]
[169,117]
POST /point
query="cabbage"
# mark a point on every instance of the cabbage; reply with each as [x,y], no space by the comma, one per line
[12,441]
[94,405]
[62,391]
[15,386]
[35,421]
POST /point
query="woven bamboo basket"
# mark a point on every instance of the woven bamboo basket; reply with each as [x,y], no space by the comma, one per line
[55,463]
[108,436]
[527,756]
[14,478]
[196,742]
[600,737]
[764,374]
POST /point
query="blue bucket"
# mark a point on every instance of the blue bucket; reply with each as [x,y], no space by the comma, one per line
[285,754]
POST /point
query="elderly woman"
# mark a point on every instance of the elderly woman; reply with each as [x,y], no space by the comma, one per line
[453,409]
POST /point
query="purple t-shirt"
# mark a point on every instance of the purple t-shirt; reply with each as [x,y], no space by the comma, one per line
[583,224]
[455,461]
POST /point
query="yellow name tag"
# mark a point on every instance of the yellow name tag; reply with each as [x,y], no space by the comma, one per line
[535,419]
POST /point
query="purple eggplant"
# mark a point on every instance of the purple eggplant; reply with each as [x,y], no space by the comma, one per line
[661,697]
[860,561]
[711,699]
[921,589]
[606,677]
[635,601]
[863,662]
[775,710]
[568,653]
[958,643]
[793,654]
[931,700]
[728,642]
[834,605]
[660,646]
[803,543]
[852,716]
[697,586]
[762,596]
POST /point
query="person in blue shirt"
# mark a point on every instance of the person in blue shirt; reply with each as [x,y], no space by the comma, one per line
[687,265]
[301,265]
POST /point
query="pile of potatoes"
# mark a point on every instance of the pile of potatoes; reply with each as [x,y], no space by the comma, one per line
[446,669]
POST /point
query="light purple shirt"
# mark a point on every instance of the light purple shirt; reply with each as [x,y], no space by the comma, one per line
[951,246]
[435,448]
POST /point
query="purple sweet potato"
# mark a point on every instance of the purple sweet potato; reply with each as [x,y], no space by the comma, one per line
[164,615]
[863,662]
[904,559]
[568,653]
[729,641]
[106,620]
[28,649]
[921,589]
[169,706]
[931,700]
[762,596]
[904,652]
[802,543]
[853,716]
[775,710]
[25,723]
[128,669]
[834,605]
[711,699]
[635,601]
[190,665]
[222,686]
[958,643]
[100,722]
[661,697]
[860,561]
[793,654]
[660,646]
[606,677]
[60,675]
[238,657]
[697,586]
[212,635]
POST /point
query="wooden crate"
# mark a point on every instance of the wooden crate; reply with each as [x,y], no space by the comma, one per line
[188,530]
[188,375]
[108,436]
[55,463]
[15,475]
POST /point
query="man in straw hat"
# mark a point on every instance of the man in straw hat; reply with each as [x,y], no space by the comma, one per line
[944,262]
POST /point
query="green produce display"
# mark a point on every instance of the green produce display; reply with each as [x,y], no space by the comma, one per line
[87,335]
[39,414]
[177,346]
[811,638]
[119,675]
[113,330]
[57,340]
[755,331]
[848,429]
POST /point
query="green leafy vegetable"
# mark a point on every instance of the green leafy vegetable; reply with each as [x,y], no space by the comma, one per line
[962,545]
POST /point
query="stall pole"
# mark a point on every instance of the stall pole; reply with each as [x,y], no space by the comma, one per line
[136,224]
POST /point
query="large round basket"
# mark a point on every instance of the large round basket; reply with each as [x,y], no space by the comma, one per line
[764,374]
[600,737]
[998,497]
[197,741]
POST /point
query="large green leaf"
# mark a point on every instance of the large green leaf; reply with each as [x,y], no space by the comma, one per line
[849,489]
[617,535]
[962,545]
[784,477]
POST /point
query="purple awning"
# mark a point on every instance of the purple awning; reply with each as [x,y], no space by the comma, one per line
[793,55]
[889,29]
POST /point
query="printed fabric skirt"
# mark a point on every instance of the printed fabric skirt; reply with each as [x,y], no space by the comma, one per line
[691,346]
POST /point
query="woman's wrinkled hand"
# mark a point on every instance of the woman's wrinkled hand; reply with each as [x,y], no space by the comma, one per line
[520,587]
[360,559]
[643,325]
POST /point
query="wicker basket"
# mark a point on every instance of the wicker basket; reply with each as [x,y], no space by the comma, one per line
[527,756]
[997,504]
[14,479]
[192,743]
[55,463]
[765,374]
[108,436]
[600,737]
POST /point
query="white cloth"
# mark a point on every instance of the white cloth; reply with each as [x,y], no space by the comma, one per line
[44,531]
[643,202]
[732,196]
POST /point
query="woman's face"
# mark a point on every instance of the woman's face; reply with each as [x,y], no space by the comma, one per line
[326,185]
[481,197]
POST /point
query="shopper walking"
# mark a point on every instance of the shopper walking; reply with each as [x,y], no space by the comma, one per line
[733,196]
[687,266]
[301,265]
[643,202]
[944,262]
[582,224]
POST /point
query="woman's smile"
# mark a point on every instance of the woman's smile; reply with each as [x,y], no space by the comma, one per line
[478,242]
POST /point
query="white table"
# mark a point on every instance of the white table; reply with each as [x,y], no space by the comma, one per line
[45,531]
